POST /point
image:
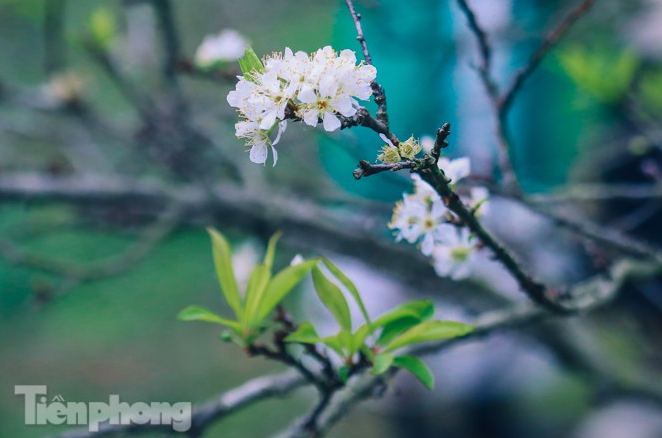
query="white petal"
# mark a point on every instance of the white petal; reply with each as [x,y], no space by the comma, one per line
[388,142]
[307,94]
[310,117]
[459,168]
[268,119]
[259,153]
[344,106]
[273,149]
[331,122]
[427,245]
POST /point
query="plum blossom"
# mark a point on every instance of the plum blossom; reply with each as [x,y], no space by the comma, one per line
[320,87]
[226,46]
[418,217]
[455,170]
[456,256]
[422,218]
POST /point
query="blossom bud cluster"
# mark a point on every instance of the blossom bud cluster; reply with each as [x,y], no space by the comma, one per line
[405,150]
[315,88]
[421,217]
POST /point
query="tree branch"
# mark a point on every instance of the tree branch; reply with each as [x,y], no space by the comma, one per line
[548,43]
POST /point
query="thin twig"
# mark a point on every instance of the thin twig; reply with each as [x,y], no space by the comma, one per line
[548,43]
[361,38]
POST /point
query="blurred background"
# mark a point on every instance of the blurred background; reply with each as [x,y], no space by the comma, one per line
[115,153]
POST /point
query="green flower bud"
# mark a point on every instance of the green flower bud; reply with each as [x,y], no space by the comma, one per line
[389,155]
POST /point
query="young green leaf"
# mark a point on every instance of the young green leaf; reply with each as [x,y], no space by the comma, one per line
[417,367]
[281,285]
[271,250]
[395,328]
[420,310]
[196,313]
[255,291]
[358,338]
[429,331]
[224,271]
[250,62]
[305,334]
[381,364]
[349,285]
[333,299]
[339,343]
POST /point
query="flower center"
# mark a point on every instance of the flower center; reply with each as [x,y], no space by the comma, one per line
[460,253]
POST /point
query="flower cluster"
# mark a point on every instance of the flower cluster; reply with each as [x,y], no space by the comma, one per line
[314,88]
[421,217]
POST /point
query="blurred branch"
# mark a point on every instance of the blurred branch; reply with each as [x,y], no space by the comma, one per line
[485,50]
[548,43]
[54,44]
[606,236]
[502,103]
[76,274]
[304,224]
[206,414]
[599,192]
[172,52]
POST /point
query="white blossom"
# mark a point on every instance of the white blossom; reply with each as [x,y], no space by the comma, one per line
[454,257]
[455,170]
[418,217]
[319,87]
[226,46]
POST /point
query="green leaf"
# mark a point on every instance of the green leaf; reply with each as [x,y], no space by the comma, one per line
[419,310]
[250,62]
[349,285]
[338,343]
[381,364]
[358,338]
[333,299]
[395,328]
[271,250]
[305,334]
[417,367]
[429,331]
[255,292]
[196,313]
[281,285]
[224,271]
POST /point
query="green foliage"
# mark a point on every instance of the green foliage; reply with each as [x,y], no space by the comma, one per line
[263,292]
[102,27]
[416,366]
[604,75]
[250,62]
[406,325]
[377,341]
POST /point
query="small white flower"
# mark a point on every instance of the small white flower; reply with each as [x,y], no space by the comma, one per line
[416,219]
[227,46]
[454,257]
[259,139]
[456,169]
